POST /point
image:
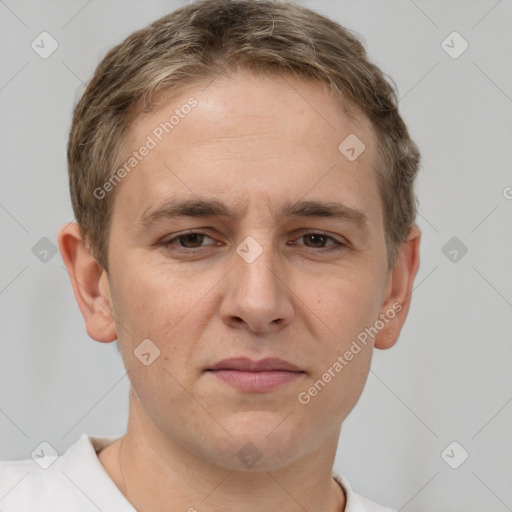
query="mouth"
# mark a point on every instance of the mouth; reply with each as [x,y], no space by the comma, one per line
[256,376]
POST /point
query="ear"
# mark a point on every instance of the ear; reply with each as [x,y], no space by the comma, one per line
[90,284]
[398,294]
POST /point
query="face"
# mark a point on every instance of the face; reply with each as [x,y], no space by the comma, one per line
[265,277]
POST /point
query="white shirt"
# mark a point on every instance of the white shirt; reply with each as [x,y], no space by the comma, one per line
[77,482]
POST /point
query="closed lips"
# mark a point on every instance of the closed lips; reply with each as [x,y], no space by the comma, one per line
[245,364]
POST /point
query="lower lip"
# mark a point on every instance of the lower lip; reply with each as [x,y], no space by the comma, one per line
[256,382]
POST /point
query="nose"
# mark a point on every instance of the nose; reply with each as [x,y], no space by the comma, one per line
[257,295]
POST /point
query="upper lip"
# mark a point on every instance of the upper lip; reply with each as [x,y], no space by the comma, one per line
[248,365]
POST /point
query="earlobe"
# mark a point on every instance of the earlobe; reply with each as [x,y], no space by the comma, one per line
[398,295]
[90,284]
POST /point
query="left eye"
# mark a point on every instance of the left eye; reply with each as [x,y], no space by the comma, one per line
[194,239]
[319,238]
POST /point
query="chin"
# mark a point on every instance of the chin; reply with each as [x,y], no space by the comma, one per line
[259,441]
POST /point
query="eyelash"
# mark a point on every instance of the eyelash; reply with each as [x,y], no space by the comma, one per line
[337,246]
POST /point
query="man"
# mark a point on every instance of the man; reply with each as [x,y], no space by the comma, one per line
[243,189]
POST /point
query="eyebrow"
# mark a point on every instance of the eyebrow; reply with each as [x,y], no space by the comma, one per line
[203,208]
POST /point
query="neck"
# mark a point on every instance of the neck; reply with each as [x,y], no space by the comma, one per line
[157,474]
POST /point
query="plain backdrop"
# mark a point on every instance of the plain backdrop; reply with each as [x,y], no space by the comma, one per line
[448,379]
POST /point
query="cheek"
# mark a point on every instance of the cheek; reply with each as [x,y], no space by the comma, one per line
[342,308]
[156,306]
[335,392]
[170,309]
[344,303]
[153,301]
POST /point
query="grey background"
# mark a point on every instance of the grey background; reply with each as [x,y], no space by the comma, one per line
[448,378]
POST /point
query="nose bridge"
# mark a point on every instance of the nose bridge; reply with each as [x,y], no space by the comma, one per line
[256,264]
[257,293]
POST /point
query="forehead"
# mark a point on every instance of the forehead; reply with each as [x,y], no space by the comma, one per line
[246,136]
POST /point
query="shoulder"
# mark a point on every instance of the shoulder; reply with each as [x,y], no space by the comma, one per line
[356,502]
[26,486]
[54,483]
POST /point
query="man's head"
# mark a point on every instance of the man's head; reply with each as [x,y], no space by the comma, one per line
[261,128]
[201,41]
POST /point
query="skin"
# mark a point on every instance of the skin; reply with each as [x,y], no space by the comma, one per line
[256,142]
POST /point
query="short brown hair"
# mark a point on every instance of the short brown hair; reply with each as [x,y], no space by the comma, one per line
[204,39]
